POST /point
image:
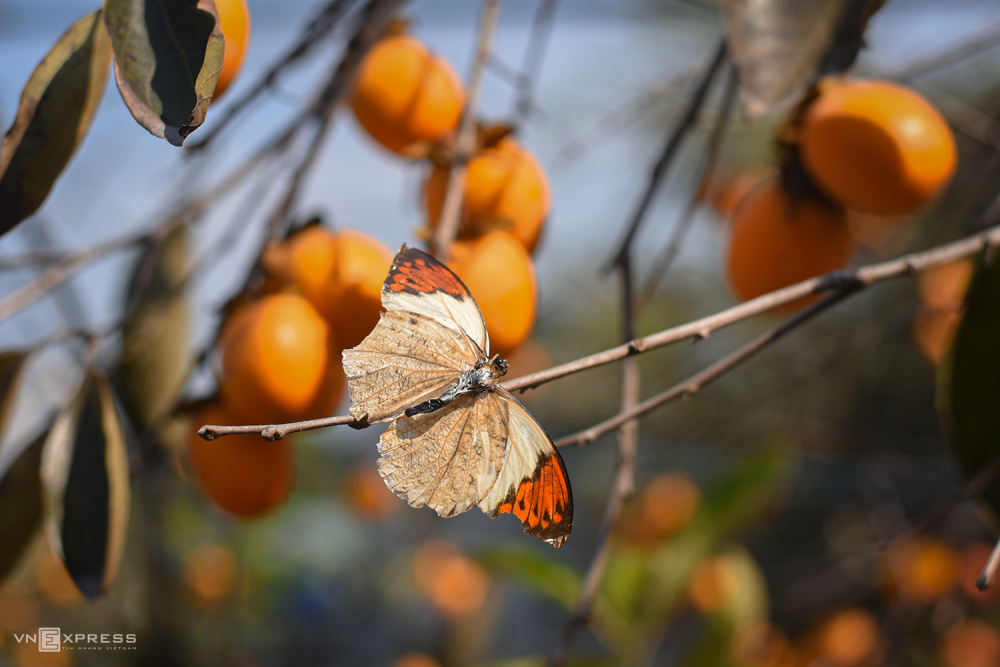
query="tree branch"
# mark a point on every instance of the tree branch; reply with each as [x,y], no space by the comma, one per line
[314,32]
[527,77]
[451,209]
[670,148]
[692,385]
[860,278]
[673,247]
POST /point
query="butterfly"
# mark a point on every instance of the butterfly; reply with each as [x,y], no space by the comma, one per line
[457,438]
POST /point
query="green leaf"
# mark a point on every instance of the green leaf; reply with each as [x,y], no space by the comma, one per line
[56,108]
[968,382]
[20,505]
[85,478]
[777,46]
[155,356]
[167,60]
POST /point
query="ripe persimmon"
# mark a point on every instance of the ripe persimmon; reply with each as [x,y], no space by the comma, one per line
[243,474]
[234,21]
[455,585]
[505,188]
[850,638]
[498,271]
[406,97]
[777,242]
[280,362]
[341,274]
[921,570]
[877,147]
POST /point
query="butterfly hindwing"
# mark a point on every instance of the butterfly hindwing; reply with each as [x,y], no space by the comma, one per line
[447,459]
[533,483]
[406,359]
[418,283]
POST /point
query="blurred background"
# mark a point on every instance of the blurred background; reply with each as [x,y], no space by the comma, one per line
[773,517]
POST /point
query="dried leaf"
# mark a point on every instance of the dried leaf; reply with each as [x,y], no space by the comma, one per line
[20,505]
[56,108]
[777,46]
[85,479]
[968,382]
[155,356]
[167,60]
[11,365]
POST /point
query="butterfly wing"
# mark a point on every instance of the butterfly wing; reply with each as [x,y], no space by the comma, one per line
[533,484]
[406,359]
[418,283]
[446,460]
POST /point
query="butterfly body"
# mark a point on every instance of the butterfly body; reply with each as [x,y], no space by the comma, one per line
[484,376]
[457,439]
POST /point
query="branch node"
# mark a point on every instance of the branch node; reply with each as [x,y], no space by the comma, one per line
[208,432]
[273,433]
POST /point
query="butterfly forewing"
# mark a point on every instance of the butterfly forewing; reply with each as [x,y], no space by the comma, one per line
[533,484]
[406,359]
[417,283]
[447,459]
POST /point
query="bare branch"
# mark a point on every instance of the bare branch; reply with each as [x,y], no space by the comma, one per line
[964,48]
[696,382]
[702,328]
[527,78]
[371,25]
[73,262]
[673,247]
[860,278]
[666,158]
[315,31]
[451,209]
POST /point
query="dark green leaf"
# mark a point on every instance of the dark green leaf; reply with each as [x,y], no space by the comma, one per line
[155,355]
[968,389]
[20,505]
[167,59]
[57,105]
[86,482]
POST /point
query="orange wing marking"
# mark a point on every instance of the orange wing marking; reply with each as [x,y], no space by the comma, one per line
[543,503]
[415,272]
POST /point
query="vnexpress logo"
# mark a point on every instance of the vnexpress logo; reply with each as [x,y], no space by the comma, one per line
[52,640]
[49,640]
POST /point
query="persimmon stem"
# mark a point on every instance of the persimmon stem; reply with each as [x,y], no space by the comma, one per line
[451,209]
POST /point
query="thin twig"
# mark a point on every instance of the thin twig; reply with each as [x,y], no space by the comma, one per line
[989,573]
[692,385]
[314,32]
[451,210]
[33,258]
[527,78]
[673,88]
[670,148]
[624,481]
[73,262]
[371,25]
[862,277]
[673,247]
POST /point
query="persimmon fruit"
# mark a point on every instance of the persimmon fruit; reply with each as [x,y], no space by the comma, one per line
[777,242]
[505,188]
[280,362]
[405,97]
[341,275]
[877,147]
[234,21]
[243,474]
[498,271]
